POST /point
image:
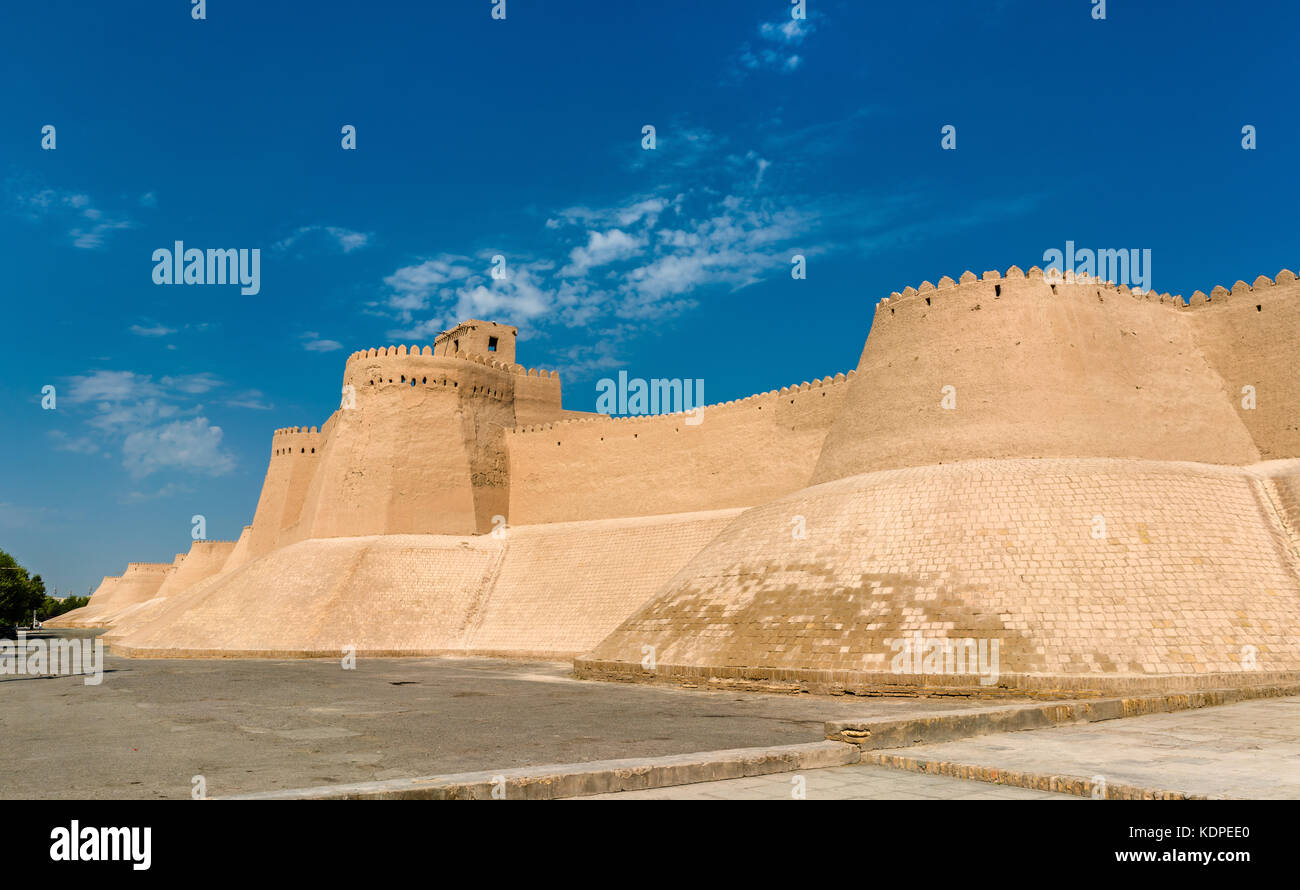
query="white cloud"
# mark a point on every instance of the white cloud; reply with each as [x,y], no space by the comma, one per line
[413,286]
[312,342]
[777,53]
[343,239]
[155,330]
[169,490]
[252,399]
[193,445]
[192,384]
[156,423]
[76,444]
[112,386]
[89,226]
[601,249]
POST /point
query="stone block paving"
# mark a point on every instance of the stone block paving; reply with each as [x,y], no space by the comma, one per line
[840,783]
[1249,750]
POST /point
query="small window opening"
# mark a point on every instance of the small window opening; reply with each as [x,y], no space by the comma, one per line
[457,344]
[927,301]
[997,290]
[1259,307]
[492,344]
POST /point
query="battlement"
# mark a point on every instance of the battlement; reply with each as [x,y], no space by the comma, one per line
[427,352]
[995,285]
[635,418]
[295,440]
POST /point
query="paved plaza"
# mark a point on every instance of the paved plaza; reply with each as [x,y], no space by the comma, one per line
[251,726]
[1249,750]
[261,725]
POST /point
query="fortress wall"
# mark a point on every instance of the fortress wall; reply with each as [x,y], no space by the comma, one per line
[239,553]
[743,453]
[329,594]
[546,591]
[294,455]
[1246,334]
[537,398]
[418,451]
[102,595]
[203,559]
[562,587]
[1040,370]
[1191,567]
[139,583]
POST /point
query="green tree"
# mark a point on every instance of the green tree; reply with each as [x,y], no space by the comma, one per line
[52,607]
[20,593]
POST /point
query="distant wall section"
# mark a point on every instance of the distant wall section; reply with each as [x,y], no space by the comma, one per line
[742,453]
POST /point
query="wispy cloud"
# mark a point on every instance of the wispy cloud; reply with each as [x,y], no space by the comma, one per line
[252,399]
[152,330]
[193,445]
[312,342]
[730,218]
[171,489]
[776,48]
[156,423]
[87,225]
[75,444]
[336,237]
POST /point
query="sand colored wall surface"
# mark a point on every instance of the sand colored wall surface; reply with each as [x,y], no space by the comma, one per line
[1195,564]
[418,449]
[549,591]
[562,587]
[1074,401]
[138,584]
[1085,370]
[740,454]
[1244,334]
[83,617]
[205,559]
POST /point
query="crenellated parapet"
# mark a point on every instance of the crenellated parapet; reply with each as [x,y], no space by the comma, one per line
[295,440]
[1259,292]
[412,352]
[912,301]
[420,370]
[755,402]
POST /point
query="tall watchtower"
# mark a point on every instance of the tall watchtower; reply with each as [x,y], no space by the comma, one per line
[485,338]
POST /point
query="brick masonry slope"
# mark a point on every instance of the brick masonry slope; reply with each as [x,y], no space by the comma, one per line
[543,591]
[1193,570]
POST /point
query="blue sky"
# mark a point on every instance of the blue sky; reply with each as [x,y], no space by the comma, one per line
[523,138]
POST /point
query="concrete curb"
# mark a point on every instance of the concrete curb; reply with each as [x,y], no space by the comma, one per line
[578,779]
[902,733]
[1077,785]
